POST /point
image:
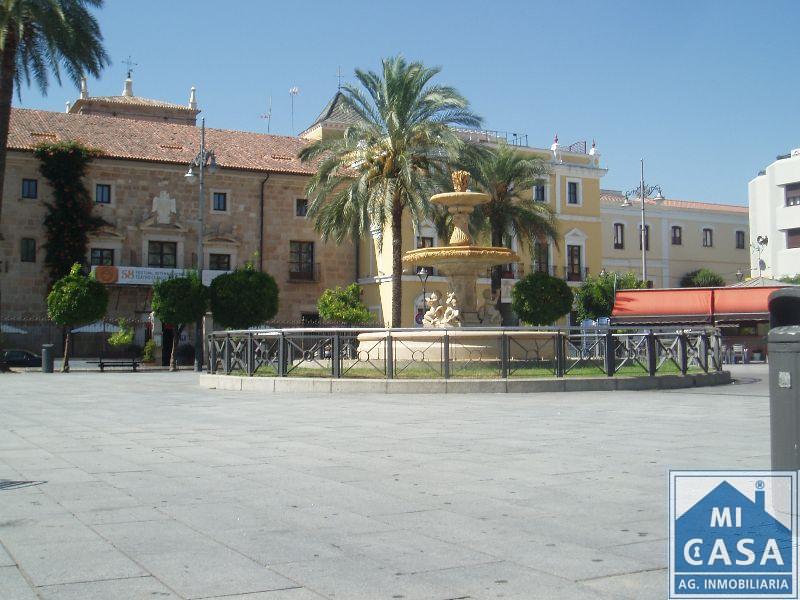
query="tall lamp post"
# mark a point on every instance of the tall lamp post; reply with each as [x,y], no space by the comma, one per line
[643,192]
[423,273]
[205,159]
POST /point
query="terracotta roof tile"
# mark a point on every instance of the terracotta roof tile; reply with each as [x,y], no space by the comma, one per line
[133,101]
[157,142]
[614,198]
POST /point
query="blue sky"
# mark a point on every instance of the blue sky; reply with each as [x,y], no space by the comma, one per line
[705,91]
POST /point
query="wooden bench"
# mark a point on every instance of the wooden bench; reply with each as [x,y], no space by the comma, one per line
[116,362]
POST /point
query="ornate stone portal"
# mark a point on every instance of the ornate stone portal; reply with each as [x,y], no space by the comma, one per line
[461,261]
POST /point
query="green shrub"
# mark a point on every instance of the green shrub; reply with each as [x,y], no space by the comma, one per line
[595,297]
[149,351]
[702,278]
[541,299]
[343,305]
[178,301]
[243,298]
[123,337]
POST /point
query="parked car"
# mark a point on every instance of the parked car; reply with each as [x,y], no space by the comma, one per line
[22,358]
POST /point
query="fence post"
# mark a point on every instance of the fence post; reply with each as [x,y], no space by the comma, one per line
[611,362]
[683,352]
[227,354]
[652,355]
[282,355]
[251,359]
[561,352]
[504,355]
[389,356]
[446,355]
[212,354]
[702,351]
[336,356]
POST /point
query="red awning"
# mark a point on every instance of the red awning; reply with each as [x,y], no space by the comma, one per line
[691,305]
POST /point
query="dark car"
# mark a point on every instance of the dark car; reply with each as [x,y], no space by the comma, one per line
[22,358]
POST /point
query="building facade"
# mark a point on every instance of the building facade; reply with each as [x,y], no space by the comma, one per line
[774,202]
[680,237]
[254,209]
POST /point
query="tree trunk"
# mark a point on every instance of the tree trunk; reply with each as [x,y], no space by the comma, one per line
[8,67]
[397,265]
[173,360]
[65,366]
[497,270]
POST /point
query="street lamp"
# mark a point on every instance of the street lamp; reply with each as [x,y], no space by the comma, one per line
[423,273]
[643,192]
[205,159]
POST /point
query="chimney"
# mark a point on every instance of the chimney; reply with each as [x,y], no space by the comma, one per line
[84,89]
[192,99]
[760,499]
[128,91]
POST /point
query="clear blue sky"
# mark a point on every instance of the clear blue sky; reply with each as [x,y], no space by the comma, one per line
[705,91]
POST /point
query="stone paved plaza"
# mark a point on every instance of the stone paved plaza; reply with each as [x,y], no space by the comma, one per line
[149,487]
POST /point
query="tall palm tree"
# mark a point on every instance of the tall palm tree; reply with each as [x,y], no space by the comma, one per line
[508,175]
[385,164]
[41,36]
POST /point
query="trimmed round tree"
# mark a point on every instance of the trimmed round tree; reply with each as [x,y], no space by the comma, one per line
[595,298]
[343,305]
[702,278]
[541,299]
[178,301]
[76,299]
[243,298]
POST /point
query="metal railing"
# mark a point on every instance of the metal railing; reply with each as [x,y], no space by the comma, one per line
[464,352]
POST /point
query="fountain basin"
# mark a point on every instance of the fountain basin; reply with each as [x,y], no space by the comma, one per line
[454,259]
[457,200]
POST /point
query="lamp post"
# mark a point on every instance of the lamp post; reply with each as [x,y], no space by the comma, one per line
[423,273]
[293,91]
[643,192]
[204,159]
[761,243]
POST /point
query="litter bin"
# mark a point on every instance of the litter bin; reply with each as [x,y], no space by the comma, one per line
[783,344]
[47,358]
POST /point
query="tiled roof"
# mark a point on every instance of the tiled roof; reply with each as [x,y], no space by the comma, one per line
[609,197]
[336,112]
[134,101]
[157,142]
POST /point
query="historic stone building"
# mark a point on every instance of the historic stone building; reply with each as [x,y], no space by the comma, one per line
[254,206]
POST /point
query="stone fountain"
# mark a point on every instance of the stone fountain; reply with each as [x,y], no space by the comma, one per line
[461,260]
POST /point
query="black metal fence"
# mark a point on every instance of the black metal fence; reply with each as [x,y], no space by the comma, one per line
[463,352]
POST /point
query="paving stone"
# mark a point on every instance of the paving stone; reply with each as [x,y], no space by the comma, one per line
[13,585]
[135,588]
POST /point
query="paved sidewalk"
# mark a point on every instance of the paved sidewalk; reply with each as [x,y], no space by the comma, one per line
[145,486]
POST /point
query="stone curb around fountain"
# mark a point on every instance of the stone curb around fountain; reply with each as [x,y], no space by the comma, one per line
[321,385]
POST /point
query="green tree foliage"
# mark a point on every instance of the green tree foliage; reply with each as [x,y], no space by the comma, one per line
[702,278]
[123,337]
[385,163]
[793,279]
[243,298]
[343,305]
[37,36]
[69,219]
[541,299]
[178,301]
[76,299]
[595,298]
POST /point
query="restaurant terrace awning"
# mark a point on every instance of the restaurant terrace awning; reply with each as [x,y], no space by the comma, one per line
[692,305]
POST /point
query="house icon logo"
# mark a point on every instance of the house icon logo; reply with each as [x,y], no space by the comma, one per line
[733,534]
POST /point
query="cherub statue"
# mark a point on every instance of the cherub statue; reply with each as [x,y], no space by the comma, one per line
[450,317]
[488,313]
[435,311]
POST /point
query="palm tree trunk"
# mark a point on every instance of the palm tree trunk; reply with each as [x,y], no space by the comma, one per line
[497,270]
[397,264]
[65,366]
[8,65]
[8,69]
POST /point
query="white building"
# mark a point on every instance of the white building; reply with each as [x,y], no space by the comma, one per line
[774,197]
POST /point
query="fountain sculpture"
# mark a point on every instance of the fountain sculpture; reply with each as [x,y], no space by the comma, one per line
[461,261]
